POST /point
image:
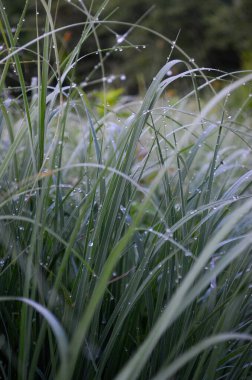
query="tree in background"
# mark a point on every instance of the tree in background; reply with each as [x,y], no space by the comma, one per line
[215,33]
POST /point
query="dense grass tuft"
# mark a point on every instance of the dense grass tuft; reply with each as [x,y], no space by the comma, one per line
[125,223]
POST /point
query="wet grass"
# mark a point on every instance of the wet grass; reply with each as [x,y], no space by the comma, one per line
[125,223]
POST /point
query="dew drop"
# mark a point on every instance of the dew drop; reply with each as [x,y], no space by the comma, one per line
[122,208]
[120,39]
[177,206]
[111,79]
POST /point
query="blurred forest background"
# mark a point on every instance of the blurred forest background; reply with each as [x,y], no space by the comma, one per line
[214,33]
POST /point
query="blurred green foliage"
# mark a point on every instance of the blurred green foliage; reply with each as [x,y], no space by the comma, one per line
[214,33]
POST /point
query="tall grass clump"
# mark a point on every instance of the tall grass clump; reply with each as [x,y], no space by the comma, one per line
[125,223]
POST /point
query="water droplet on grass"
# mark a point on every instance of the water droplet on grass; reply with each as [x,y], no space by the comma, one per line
[111,79]
[122,208]
[193,212]
[120,39]
[104,321]
[177,206]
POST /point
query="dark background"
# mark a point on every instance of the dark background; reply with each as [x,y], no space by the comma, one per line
[214,33]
